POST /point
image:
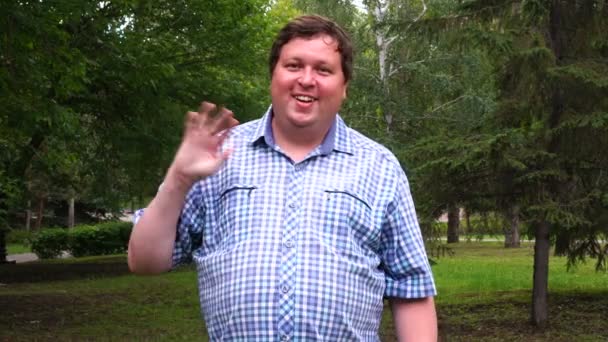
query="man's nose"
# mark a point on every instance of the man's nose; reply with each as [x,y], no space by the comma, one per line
[307,78]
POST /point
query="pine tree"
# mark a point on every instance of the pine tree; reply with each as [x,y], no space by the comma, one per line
[553,86]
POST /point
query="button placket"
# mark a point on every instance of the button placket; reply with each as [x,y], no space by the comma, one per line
[288,267]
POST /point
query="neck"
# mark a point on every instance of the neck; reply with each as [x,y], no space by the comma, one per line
[297,142]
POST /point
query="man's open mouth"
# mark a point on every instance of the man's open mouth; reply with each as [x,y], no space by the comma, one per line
[303,98]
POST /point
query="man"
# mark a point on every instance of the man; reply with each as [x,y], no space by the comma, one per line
[302,226]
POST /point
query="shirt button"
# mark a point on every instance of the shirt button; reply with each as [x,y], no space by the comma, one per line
[292,205]
[285,288]
[285,338]
[289,243]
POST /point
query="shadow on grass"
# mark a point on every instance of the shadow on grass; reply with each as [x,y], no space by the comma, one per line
[135,309]
[572,316]
[35,272]
[98,304]
[48,312]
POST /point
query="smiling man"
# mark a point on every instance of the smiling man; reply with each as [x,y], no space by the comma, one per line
[307,89]
[302,227]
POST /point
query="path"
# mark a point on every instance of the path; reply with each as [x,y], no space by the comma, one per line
[28,257]
[22,257]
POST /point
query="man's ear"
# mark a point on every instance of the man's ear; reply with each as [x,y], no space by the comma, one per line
[345,93]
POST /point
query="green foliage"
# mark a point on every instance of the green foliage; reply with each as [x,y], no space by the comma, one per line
[19,236]
[94,94]
[102,239]
[541,145]
[343,12]
[50,243]
[17,249]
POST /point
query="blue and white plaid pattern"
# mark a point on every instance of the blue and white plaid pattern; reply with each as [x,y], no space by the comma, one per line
[302,251]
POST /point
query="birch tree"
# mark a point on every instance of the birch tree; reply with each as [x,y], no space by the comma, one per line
[385,14]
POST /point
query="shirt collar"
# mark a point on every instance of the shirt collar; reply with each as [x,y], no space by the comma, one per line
[337,138]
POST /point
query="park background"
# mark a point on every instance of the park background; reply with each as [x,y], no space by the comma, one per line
[496,109]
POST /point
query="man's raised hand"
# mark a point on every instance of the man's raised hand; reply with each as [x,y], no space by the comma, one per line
[200,153]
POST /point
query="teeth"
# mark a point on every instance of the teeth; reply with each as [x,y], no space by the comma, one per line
[304,98]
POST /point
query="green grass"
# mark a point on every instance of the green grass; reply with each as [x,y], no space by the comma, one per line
[15,248]
[479,270]
[482,238]
[484,294]
[100,306]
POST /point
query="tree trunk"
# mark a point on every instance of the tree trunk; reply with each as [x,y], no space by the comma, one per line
[28,216]
[3,246]
[541,275]
[71,213]
[453,223]
[40,213]
[467,218]
[542,243]
[512,229]
[383,43]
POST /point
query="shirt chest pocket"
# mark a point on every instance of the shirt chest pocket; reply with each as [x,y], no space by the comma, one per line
[345,220]
[236,215]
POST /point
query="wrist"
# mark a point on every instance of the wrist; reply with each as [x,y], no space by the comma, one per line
[174,182]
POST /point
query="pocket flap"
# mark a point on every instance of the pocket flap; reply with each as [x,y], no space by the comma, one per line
[350,193]
[238,187]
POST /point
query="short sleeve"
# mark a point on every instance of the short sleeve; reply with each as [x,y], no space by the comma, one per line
[188,237]
[189,226]
[406,266]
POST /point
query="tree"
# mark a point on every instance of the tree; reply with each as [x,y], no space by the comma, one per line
[93,93]
[453,224]
[552,84]
[517,157]
[342,12]
[384,13]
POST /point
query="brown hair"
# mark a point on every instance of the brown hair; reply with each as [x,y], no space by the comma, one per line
[308,26]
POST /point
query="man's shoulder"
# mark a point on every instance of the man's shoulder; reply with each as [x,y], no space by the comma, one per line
[245,132]
[246,129]
[371,149]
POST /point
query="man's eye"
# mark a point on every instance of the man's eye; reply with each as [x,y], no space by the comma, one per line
[325,71]
[292,66]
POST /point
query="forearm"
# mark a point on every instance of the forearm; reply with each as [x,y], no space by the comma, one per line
[415,319]
[153,237]
[200,155]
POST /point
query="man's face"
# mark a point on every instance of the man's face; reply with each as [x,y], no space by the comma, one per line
[308,86]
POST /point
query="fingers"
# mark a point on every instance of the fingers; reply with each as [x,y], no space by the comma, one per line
[215,120]
[222,121]
[197,120]
[214,124]
[192,121]
[206,107]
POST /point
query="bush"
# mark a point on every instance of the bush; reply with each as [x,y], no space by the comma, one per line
[20,236]
[101,239]
[50,243]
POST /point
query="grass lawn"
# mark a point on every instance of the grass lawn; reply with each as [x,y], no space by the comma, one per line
[484,293]
[15,248]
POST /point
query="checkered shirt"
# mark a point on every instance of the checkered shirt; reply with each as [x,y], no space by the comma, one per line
[302,251]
